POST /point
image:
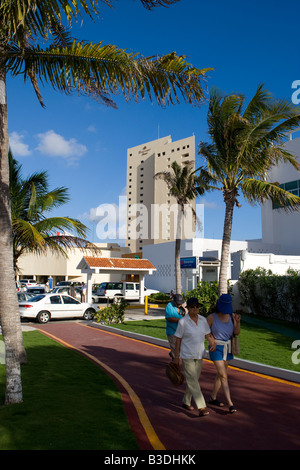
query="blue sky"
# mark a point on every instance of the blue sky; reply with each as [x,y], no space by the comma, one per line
[82,145]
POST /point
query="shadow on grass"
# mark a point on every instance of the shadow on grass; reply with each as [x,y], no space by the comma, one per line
[68,403]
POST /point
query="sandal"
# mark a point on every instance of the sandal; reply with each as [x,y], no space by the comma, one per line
[187,407]
[232,409]
[203,412]
[215,402]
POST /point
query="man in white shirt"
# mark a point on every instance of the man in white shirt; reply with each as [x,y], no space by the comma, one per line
[190,335]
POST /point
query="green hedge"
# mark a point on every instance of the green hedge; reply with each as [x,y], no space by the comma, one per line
[271,295]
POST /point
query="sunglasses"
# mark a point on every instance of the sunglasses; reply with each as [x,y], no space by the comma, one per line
[194,306]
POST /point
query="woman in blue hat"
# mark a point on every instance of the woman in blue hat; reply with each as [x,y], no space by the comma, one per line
[223,324]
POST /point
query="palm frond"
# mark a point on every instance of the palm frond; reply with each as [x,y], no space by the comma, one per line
[105,69]
[149,4]
[256,191]
[205,181]
[37,16]
[51,225]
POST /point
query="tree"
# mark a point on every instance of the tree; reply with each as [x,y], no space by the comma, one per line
[35,42]
[184,185]
[246,141]
[32,230]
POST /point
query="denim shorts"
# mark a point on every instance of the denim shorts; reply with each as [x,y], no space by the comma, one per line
[217,355]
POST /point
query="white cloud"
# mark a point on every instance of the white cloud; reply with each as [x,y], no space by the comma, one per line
[92,129]
[109,219]
[211,204]
[19,149]
[55,145]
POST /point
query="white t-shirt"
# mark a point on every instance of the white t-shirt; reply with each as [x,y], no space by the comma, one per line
[193,336]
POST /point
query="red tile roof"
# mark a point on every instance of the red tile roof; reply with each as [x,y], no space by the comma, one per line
[119,263]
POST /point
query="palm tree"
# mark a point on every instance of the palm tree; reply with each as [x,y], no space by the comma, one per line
[184,185]
[246,141]
[32,231]
[35,43]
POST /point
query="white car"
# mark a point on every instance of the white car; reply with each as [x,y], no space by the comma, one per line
[30,283]
[122,290]
[44,307]
[66,290]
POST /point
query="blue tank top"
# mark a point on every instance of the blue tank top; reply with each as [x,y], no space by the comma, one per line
[221,330]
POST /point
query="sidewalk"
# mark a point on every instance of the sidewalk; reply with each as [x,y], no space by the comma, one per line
[138,313]
[153,404]
[135,314]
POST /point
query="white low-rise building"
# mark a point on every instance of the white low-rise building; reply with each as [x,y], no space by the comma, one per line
[61,268]
[200,260]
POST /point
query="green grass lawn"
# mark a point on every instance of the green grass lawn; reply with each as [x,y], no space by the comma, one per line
[68,403]
[258,344]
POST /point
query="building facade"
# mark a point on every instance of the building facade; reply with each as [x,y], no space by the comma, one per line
[151,210]
[279,226]
[65,268]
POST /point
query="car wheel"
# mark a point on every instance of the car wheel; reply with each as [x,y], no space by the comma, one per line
[89,314]
[43,317]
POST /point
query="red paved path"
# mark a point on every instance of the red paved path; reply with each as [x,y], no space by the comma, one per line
[268,410]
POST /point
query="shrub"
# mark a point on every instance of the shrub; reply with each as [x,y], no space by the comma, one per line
[114,313]
[159,296]
[207,294]
[271,295]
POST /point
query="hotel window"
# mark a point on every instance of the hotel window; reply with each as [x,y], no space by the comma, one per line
[292,187]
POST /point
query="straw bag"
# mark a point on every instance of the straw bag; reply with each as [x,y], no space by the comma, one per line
[174,374]
[235,345]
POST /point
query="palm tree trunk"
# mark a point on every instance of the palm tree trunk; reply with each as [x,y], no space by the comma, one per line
[229,204]
[9,308]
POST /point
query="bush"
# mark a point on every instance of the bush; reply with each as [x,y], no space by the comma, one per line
[115,313]
[159,296]
[271,295]
[207,294]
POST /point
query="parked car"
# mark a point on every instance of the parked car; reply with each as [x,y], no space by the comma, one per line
[44,307]
[63,283]
[35,290]
[20,287]
[66,290]
[24,296]
[30,283]
[123,289]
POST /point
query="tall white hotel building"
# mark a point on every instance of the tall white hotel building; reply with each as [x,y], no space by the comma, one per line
[150,207]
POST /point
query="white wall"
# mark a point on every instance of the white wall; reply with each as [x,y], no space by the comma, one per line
[278,226]
[162,255]
[278,264]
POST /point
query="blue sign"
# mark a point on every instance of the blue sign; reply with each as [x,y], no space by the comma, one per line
[188,263]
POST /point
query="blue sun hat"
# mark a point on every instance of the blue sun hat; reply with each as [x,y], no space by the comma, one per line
[224,304]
